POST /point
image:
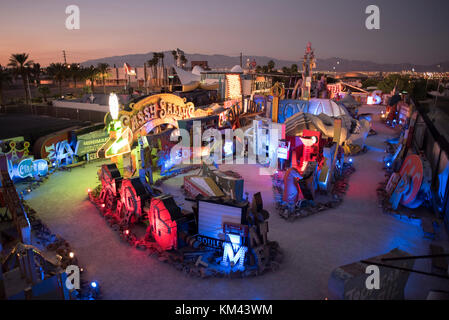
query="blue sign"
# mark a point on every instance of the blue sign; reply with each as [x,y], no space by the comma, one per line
[288,108]
[28,168]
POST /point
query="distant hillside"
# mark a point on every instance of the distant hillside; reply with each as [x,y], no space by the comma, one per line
[223,61]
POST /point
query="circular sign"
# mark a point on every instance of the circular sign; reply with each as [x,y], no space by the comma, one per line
[412,167]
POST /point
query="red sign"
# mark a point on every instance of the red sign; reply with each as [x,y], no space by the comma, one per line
[412,167]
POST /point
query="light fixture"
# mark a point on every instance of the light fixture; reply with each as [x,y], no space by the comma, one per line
[113,106]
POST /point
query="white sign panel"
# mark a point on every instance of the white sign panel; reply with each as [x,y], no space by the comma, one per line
[211,217]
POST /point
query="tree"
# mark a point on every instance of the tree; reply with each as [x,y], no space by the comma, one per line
[258,69]
[401,83]
[183,60]
[294,68]
[59,73]
[103,71]
[270,66]
[44,91]
[154,63]
[75,72]
[20,64]
[370,83]
[5,78]
[265,69]
[36,72]
[175,57]
[286,70]
[161,56]
[91,74]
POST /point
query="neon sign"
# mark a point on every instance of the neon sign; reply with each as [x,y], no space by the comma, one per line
[234,253]
[60,153]
[121,145]
[28,168]
[154,111]
[233,86]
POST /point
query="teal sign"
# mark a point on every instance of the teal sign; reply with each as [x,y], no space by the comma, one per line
[29,168]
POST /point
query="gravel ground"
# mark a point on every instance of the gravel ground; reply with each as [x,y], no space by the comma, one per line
[312,246]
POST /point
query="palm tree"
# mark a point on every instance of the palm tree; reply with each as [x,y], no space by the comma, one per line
[36,72]
[75,73]
[162,56]
[294,68]
[270,66]
[91,74]
[286,70]
[175,57]
[155,62]
[59,73]
[183,60]
[103,71]
[5,78]
[20,63]
[44,91]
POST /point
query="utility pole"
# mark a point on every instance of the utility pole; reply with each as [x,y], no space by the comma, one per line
[64,56]
[241,60]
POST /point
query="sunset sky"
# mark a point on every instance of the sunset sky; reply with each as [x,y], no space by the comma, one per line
[411,31]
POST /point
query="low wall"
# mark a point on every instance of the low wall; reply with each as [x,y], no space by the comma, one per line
[63,109]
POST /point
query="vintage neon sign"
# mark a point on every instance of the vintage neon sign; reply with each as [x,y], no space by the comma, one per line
[60,153]
[154,111]
[234,253]
[121,145]
[233,86]
[28,168]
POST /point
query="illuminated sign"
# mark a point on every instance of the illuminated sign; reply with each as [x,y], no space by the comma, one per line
[28,168]
[154,111]
[115,147]
[15,148]
[334,89]
[60,153]
[233,86]
[211,217]
[283,149]
[234,253]
[44,145]
[90,142]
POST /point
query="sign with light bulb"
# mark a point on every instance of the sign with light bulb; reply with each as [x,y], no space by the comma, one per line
[154,111]
[28,168]
[233,86]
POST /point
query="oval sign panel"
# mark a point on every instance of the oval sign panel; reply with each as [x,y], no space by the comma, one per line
[413,167]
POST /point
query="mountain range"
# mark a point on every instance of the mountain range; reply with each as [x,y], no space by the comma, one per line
[217,61]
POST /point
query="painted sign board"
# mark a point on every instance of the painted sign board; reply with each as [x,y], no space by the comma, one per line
[288,108]
[27,168]
[90,142]
[211,218]
[348,282]
[42,147]
[155,110]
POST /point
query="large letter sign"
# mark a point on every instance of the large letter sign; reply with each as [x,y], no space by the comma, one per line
[233,253]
